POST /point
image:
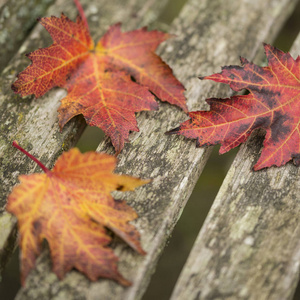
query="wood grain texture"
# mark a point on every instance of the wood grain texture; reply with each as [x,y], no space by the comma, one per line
[249,245]
[33,122]
[8,236]
[17,17]
[209,34]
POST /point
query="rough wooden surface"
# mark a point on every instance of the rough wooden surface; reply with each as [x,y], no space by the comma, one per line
[249,246]
[17,17]
[33,122]
[209,34]
[8,236]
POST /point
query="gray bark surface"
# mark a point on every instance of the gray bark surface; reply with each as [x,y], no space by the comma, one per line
[249,245]
[209,34]
[33,122]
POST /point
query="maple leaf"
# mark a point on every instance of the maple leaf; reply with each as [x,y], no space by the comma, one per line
[98,77]
[71,207]
[273,103]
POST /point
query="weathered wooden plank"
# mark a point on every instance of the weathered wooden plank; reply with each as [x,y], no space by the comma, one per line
[8,236]
[16,19]
[249,246]
[209,34]
[34,122]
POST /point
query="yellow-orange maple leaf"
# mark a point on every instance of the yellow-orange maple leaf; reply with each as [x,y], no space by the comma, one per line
[71,207]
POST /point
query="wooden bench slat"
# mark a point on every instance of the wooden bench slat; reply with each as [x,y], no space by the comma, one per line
[33,123]
[209,34]
[16,19]
[249,245]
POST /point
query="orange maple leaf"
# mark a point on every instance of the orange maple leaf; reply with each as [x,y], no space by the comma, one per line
[98,78]
[71,207]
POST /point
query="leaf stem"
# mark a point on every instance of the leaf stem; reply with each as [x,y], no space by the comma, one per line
[16,145]
[82,14]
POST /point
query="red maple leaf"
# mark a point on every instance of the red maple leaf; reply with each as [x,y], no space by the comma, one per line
[98,77]
[273,103]
[71,207]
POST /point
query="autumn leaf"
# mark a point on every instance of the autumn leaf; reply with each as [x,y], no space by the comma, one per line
[98,77]
[71,207]
[272,104]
